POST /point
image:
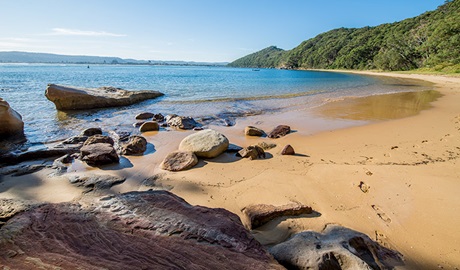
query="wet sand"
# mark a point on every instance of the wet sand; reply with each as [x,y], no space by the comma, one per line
[409,167]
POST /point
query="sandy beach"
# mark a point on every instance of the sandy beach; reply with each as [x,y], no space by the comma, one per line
[395,179]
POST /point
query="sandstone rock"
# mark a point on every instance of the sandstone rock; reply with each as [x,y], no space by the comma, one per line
[99,139]
[266,146]
[96,182]
[91,131]
[179,161]
[144,115]
[136,230]
[261,214]
[279,131]
[39,154]
[336,248]
[74,98]
[135,146]
[11,124]
[149,126]
[233,148]
[288,150]
[253,131]
[76,140]
[182,122]
[99,154]
[252,152]
[207,143]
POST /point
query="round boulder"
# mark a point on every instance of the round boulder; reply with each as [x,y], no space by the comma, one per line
[11,123]
[207,143]
[99,154]
[179,161]
[91,131]
[144,115]
[135,146]
[149,126]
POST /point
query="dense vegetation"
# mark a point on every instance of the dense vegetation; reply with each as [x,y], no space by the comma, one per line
[431,40]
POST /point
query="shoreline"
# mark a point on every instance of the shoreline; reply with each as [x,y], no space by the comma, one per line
[409,164]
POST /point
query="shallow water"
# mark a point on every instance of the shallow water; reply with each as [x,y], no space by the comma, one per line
[207,93]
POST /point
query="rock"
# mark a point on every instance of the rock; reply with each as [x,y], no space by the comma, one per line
[253,131]
[96,182]
[198,128]
[182,122]
[145,115]
[207,143]
[99,154]
[120,135]
[99,139]
[39,154]
[135,146]
[279,131]
[149,126]
[158,117]
[74,98]
[179,161]
[266,146]
[135,230]
[138,124]
[91,131]
[288,150]
[261,214]
[76,140]
[252,152]
[233,148]
[336,248]
[11,124]
[11,207]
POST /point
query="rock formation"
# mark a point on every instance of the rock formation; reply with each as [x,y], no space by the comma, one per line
[98,139]
[136,145]
[11,124]
[74,98]
[207,143]
[288,150]
[279,131]
[144,116]
[259,214]
[252,152]
[181,122]
[179,161]
[149,126]
[99,154]
[253,131]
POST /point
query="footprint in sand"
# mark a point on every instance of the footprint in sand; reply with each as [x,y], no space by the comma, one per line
[381,214]
[364,188]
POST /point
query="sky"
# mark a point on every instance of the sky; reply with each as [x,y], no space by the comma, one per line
[188,30]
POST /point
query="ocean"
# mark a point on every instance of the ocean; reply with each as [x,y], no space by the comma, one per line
[206,93]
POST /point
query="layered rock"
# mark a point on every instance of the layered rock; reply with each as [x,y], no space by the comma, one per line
[260,214]
[74,98]
[136,230]
[179,161]
[207,143]
[11,124]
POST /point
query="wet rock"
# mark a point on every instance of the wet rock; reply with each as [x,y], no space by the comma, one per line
[279,131]
[181,122]
[253,131]
[266,146]
[261,214]
[144,115]
[74,98]
[24,169]
[38,154]
[99,139]
[252,152]
[11,124]
[179,161]
[207,143]
[336,248]
[149,126]
[120,135]
[158,117]
[288,150]
[91,131]
[138,124]
[136,230]
[135,146]
[75,140]
[99,154]
[96,182]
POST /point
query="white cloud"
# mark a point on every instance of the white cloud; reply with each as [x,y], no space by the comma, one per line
[76,32]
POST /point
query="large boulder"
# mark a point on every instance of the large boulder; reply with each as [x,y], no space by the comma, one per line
[207,143]
[336,248]
[11,124]
[179,161]
[181,122]
[75,98]
[99,154]
[135,230]
[136,145]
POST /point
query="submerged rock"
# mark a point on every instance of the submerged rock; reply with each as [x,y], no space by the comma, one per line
[179,161]
[75,98]
[207,143]
[11,124]
[279,131]
[260,214]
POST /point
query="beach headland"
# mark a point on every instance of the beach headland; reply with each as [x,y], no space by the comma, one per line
[395,180]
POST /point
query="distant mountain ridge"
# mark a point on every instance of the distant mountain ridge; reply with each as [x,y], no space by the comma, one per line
[28,57]
[430,40]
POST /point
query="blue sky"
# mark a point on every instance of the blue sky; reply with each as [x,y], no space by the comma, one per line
[198,30]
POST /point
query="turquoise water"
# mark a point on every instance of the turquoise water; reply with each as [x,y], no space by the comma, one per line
[202,92]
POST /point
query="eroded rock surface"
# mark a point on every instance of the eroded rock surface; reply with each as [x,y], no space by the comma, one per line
[260,214]
[181,122]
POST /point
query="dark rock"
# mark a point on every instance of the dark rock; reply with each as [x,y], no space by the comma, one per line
[38,154]
[73,98]
[91,131]
[228,123]
[11,124]
[279,131]
[266,146]
[136,230]
[145,115]
[261,214]
[96,182]
[198,128]
[252,152]
[138,124]
[149,126]
[120,135]
[75,140]
[99,154]
[233,148]
[24,169]
[179,161]
[336,248]
[288,150]
[181,122]
[99,139]
[207,143]
[65,159]
[135,146]
[158,117]
[253,131]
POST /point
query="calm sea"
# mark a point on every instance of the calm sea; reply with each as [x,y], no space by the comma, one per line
[207,93]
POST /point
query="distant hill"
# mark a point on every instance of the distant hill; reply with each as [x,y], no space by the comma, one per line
[430,40]
[28,57]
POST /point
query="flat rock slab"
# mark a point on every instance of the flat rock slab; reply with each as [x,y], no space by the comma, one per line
[207,143]
[76,98]
[136,230]
[260,214]
[96,182]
